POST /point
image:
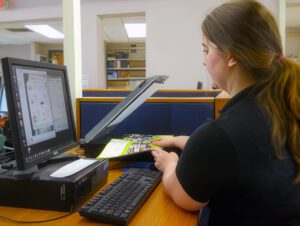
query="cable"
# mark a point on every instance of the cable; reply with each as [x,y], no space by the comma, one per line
[7,153]
[8,148]
[35,222]
[6,157]
[6,160]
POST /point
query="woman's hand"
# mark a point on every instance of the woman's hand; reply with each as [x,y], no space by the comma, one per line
[163,159]
[170,141]
[164,141]
[166,163]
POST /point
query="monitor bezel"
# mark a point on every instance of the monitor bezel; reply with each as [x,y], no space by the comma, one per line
[7,65]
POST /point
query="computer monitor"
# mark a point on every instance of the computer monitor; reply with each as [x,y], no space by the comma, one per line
[40,110]
[100,134]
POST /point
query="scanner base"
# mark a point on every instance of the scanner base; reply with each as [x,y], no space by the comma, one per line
[92,150]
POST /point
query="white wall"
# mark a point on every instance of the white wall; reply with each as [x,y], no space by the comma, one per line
[22,10]
[42,49]
[173,44]
[293,31]
[293,45]
[173,34]
[17,51]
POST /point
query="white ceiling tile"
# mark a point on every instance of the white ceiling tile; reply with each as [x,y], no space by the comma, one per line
[114,29]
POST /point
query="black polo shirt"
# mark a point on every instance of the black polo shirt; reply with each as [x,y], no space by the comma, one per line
[230,163]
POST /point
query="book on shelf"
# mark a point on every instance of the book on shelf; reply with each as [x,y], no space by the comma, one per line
[110,55]
[130,147]
[137,73]
[117,64]
[117,84]
[121,64]
[121,55]
[110,63]
[112,74]
[137,63]
[123,74]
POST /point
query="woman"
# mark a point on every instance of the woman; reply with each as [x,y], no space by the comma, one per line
[246,164]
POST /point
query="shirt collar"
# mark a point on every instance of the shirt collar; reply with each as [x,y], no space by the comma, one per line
[238,98]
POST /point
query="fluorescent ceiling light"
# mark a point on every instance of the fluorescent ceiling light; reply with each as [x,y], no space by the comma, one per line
[46,30]
[136,30]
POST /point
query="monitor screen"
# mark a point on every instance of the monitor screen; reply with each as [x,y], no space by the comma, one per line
[40,111]
[3,103]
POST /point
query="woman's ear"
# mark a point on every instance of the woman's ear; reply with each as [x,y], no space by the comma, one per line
[231,61]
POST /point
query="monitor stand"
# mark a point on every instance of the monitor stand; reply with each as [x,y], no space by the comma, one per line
[24,174]
[28,173]
[18,174]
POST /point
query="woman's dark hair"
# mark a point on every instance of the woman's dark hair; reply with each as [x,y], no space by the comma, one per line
[249,32]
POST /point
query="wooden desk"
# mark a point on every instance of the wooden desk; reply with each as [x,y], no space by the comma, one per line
[157,210]
[2,121]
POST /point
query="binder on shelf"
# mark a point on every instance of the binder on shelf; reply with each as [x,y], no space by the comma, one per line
[140,73]
[117,64]
[121,55]
[123,74]
[110,64]
[135,63]
[112,74]
[110,55]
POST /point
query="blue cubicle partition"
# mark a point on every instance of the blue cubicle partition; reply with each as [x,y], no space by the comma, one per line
[104,93]
[159,93]
[152,117]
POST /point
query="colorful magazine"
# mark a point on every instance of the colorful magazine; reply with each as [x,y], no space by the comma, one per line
[129,145]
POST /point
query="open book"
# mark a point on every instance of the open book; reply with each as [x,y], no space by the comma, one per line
[129,147]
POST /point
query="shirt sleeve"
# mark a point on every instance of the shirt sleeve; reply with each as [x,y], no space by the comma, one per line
[208,163]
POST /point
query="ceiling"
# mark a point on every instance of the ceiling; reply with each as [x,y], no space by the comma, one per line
[18,34]
[113,30]
[113,27]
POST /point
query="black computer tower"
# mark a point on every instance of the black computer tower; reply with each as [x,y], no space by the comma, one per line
[41,191]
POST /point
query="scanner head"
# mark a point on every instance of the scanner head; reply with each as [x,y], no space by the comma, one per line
[100,134]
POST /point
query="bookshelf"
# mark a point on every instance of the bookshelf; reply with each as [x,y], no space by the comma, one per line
[125,65]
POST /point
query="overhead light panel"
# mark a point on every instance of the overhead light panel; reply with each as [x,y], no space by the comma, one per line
[46,30]
[136,30]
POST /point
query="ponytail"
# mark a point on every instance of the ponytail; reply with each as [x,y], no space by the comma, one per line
[280,98]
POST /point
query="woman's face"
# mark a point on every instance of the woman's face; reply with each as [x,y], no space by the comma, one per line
[216,63]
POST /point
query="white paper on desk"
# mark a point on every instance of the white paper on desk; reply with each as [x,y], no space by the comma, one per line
[115,147]
[73,167]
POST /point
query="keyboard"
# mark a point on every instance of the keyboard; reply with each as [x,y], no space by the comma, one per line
[120,200]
